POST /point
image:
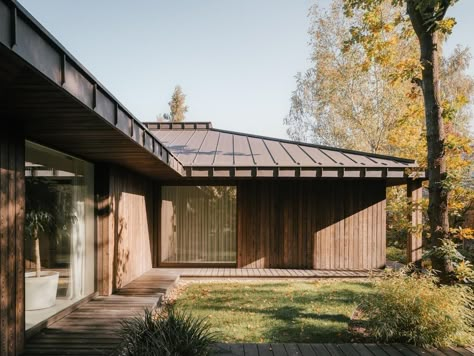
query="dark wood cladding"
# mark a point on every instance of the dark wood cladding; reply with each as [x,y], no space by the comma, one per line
[12,210]
[303,224]
[125,227]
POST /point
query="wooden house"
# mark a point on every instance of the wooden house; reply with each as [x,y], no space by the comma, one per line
[126,196]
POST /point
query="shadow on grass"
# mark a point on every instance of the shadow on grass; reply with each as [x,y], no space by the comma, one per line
[279,312]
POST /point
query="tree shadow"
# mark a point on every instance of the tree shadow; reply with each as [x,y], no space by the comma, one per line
[288,316]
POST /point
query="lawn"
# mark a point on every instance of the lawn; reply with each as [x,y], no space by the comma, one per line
[276,311]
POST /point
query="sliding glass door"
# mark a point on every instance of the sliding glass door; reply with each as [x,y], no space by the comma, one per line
[198,224]
[59,232]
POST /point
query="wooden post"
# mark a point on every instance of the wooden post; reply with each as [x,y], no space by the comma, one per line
[12,213]
[414,243]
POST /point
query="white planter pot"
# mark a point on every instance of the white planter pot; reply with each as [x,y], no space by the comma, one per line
[40,292]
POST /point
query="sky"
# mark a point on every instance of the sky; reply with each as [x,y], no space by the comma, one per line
[234,59]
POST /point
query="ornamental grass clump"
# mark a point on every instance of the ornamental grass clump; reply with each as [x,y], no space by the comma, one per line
[167,332]
[413,308]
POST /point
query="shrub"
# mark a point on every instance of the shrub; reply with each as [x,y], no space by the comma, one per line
[396,254]
[166,333]
[463,271]
[412,308]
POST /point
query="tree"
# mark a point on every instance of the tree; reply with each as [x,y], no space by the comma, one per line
[361,92]
[177,105]
[428,20]
[346,99]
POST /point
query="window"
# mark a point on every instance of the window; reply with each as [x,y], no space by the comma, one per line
[59,232]
[198,224]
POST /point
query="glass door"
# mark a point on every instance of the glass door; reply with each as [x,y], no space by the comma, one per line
[59,232]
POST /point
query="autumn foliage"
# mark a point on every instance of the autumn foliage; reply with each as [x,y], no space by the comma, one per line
[363,92]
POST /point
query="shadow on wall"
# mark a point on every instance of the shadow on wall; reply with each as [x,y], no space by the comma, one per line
[132,214]
[330,224]
[121,254]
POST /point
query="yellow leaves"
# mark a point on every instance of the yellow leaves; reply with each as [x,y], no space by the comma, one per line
[365,66]
[457,144]
[378,29]
[388,27]
[446,26]
[406,69]
[462,233]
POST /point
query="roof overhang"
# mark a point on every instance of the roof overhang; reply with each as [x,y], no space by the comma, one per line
[219,154]
[55,101]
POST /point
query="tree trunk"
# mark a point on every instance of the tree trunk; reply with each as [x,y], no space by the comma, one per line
[37,253]
[435,135]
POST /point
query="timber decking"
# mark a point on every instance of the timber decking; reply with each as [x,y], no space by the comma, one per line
[332,350]
[264,273]
[91,329]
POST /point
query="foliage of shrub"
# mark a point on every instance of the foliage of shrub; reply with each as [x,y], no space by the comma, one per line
[166,333]
[463,270]
[413,308]
[396,254]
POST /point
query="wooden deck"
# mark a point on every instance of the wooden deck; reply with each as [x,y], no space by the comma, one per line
[332,350]
[91,329]
[264,273]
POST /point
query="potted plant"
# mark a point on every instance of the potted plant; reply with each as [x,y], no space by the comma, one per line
[40,286]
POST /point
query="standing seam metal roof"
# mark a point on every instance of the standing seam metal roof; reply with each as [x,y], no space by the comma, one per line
[199,146]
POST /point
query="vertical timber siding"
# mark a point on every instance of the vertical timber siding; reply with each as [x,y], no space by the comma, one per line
[304,224]
[414,243]
[12,210]
[125,227]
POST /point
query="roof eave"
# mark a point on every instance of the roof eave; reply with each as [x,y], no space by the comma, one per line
[301,172]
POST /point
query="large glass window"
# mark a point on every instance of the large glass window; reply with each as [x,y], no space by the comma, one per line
[59,232]
[198,224]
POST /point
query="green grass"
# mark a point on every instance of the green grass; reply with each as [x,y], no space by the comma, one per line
[396,254]
[276,311]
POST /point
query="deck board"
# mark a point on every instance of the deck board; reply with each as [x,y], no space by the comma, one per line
[91,329]
[265,273]
[292,349]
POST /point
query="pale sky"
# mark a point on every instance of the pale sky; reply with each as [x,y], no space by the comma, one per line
[235,59]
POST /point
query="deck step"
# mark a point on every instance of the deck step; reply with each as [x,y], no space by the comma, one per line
[92,328]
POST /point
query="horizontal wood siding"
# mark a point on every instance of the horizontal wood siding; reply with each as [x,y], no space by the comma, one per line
[12,209]
[303,224]
[125,227]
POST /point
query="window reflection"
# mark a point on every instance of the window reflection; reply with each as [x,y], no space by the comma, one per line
[59,232]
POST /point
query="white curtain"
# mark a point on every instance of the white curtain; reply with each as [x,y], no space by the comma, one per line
[198,224]
[77,223]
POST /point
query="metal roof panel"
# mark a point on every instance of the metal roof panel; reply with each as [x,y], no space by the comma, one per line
[207,151]
[220,148]
[225,150]
[242,153]
[260,152]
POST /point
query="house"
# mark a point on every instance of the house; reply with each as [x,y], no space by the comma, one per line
[121,196]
